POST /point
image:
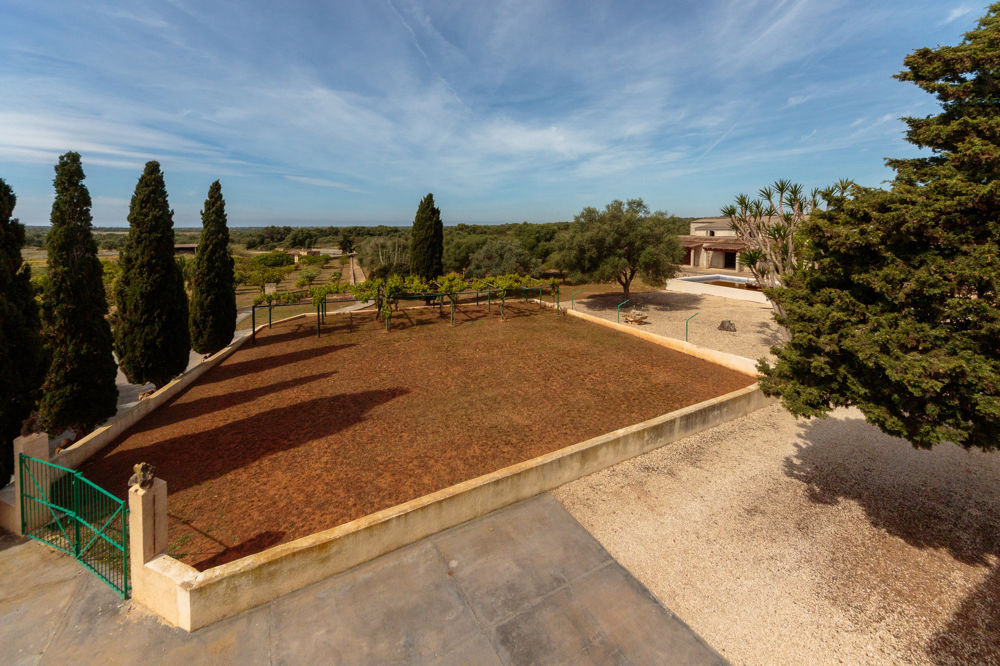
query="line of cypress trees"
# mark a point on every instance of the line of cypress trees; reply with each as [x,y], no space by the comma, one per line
[427,241]
[213,294]
[79,390]
[22,366]
[152,340]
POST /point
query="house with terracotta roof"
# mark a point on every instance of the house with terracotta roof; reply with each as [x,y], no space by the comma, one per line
[712,244]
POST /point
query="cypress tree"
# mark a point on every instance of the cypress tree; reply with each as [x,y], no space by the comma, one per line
[21,363]
[79,390]
[213,294]
[151,337]
[427,241]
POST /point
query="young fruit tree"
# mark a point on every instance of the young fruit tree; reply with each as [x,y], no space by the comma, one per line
[22,366]
[622,241]
[79,390]
[152,339]
[895,305]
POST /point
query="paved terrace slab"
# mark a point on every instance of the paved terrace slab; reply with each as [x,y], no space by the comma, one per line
[524,585]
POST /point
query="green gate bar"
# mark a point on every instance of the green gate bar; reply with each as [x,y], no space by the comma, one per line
[62,508]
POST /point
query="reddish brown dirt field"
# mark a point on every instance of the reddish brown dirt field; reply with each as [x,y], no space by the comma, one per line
[297,434]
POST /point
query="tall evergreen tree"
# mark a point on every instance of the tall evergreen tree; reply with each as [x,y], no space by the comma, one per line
[79,390]
[152,339]
[213,294]
[896,307]
[21,361]
[427,241]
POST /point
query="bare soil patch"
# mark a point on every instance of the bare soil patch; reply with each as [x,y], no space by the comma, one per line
[300,433]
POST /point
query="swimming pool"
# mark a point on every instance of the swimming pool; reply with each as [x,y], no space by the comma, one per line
[732,281]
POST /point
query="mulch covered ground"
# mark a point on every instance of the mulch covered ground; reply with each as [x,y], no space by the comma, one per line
[296,434]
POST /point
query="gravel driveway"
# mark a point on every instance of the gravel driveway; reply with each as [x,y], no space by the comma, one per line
[791,541]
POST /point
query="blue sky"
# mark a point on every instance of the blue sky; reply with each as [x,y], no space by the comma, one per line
[349,112]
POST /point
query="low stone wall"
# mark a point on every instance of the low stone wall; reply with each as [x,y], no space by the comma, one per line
[191,599]
[75,455]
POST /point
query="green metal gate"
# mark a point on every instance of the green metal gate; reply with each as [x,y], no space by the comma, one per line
[65,510]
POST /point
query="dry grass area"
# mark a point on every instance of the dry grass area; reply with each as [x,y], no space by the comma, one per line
[811,542]
[299,433]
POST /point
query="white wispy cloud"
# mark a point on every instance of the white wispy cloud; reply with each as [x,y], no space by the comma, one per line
[957,13]
[324,182]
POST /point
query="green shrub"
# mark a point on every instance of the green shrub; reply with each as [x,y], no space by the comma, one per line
[314,259]
[273,259]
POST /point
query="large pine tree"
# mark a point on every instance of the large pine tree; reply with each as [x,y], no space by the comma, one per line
[427,241]
[151,336]
[21,361]
[896,309]
[213,295]
[79,390]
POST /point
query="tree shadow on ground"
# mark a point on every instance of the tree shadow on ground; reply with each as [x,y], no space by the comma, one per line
[292,330]
[181,410]
[946,499]
[770,334]
[255,544]
[9,540]
[226,370]
[972,636]
[665,301]
[194,458]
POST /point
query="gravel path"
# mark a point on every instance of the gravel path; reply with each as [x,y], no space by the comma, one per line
[666,311]
[791,541]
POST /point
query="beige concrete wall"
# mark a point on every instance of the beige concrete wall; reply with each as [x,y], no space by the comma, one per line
[35,445]
[80,451]
[206,597]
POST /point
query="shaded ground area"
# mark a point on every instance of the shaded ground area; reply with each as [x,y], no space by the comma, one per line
[524,585]
[823,541]
[297,434]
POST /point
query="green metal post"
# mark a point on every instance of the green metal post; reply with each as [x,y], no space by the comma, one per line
[317,321]
[620,309]
[253,323]
[489,301]
[686,325]
[125,584]
[557,298]
[269,314]
[76,512]
[452,312]
[539,298]
[572,302]
[503,298]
